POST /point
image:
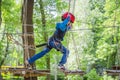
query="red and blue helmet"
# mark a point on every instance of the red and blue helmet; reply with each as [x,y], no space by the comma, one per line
[66,14]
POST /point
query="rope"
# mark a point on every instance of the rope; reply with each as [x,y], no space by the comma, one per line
[74,7]
[10,38]
[74,43]
[73,30]
[69,6]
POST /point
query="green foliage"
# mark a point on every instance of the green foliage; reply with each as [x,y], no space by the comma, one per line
[1,49]
[11,15]
[97,4]
[92,75]
[59,77]
[104,14]
[106,77]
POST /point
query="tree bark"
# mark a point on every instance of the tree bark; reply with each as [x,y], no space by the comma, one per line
[44,34]
[27,28]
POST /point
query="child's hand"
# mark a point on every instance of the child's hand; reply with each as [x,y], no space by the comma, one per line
[69,25]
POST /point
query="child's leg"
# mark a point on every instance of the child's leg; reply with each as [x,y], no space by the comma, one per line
[39,55]
[65,52]
[60,47]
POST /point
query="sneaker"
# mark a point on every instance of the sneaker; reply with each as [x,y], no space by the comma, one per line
[61,67]
[28,64]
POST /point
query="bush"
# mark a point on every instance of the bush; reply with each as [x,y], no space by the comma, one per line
[92,75]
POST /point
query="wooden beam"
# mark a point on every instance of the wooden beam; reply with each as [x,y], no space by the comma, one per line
[25,72]
[113,72]
[73,72]
[27,13]
[27,28]
[28,72]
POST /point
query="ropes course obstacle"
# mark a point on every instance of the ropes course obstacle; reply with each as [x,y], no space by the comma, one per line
[24,71]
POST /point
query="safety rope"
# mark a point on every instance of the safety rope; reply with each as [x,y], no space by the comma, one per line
[69,5]
[10,38]
[74,43]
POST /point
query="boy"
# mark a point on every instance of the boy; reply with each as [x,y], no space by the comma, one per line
[55,40]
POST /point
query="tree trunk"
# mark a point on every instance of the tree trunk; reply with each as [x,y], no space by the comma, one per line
[44,34]
[28,40]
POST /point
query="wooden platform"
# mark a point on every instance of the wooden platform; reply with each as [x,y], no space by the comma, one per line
[116,67]
[24,72]
[113,72]
[73,72]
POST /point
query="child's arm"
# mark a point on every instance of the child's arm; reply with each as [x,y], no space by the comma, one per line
[62,26]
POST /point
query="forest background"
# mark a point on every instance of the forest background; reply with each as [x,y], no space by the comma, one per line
[93,42]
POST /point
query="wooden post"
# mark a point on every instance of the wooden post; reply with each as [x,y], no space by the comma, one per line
[27,28]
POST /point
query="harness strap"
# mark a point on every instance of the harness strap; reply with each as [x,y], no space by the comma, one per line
[40,45]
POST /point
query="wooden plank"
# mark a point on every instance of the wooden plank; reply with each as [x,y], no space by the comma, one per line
[26,69]
[7,67]
[24,72]
[116,67]
[73,72]
[113,72]
[28,72]
[29,75]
